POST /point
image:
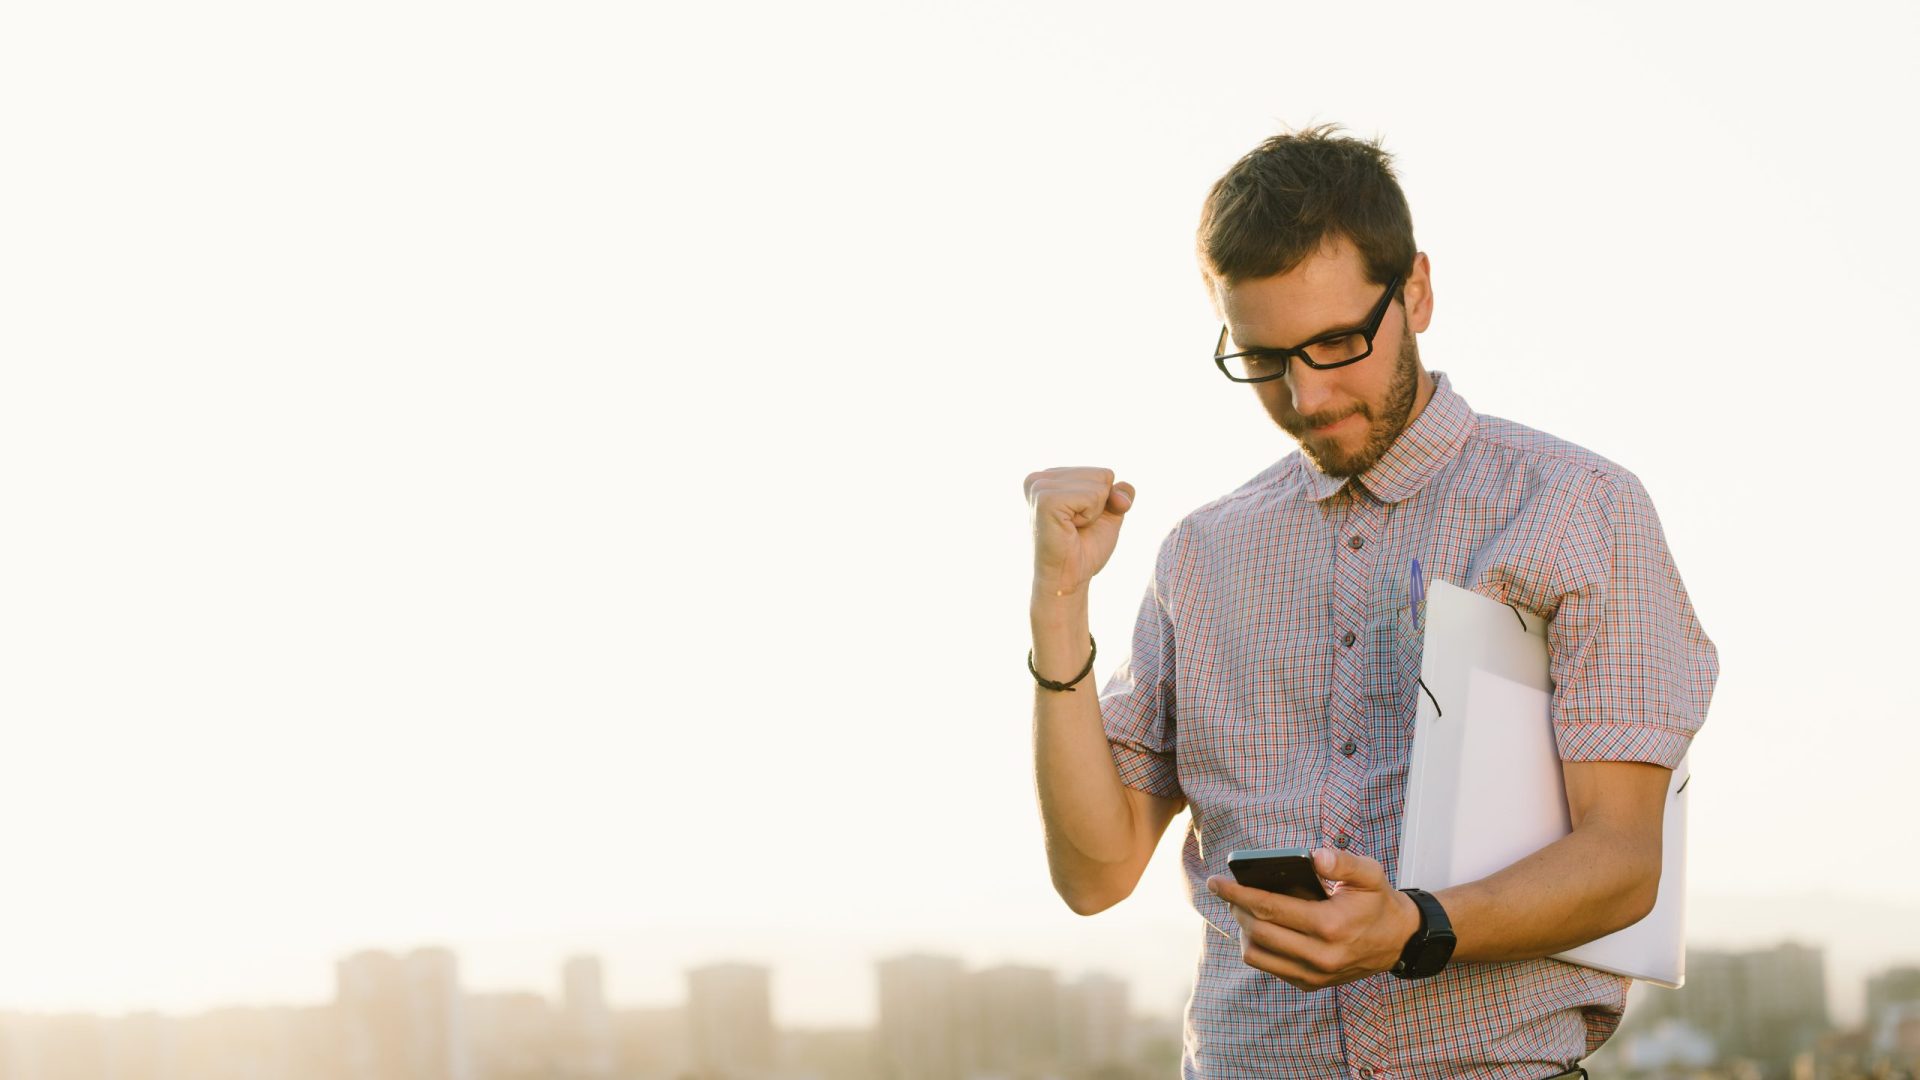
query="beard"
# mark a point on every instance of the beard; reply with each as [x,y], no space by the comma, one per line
[1384,424]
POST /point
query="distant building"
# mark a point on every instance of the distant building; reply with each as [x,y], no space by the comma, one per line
[1670,1046]
[1095,1029]
[1014,1013]
[1894,986]
[514,1036]
[652,1044]
[1767,1006]
[257,1044]
[224,1044]
[53,1047]
[141,1046]
[730,1021]
[923,1018]
[586,1037]
[1895,1033]
[830,1054]
[402,1018]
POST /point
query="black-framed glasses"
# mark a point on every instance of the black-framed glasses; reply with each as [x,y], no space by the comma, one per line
[1337,348]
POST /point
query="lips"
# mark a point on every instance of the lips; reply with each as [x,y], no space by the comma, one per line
[1336,426]
[1315,427]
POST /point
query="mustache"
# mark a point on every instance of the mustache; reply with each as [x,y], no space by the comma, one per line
[1298,423]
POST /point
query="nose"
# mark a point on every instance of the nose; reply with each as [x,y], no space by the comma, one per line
[1312,390]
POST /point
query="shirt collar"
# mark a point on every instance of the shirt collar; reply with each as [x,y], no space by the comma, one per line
[1416,457]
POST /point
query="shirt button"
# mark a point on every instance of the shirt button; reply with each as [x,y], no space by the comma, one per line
[1355,542]
[1346,639]
[1348,748]
[1341,841]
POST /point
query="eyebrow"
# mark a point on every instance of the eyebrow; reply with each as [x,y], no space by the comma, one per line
[1349,329]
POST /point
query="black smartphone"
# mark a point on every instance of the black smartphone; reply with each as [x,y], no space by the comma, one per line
[1288,871]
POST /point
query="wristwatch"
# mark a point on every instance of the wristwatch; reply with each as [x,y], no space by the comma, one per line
[1431,946]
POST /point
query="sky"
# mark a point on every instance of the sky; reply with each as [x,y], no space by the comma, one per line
[547,478]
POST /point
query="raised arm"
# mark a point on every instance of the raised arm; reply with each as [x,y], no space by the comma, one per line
[1100,833]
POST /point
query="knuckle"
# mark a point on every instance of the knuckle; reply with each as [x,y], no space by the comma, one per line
[1254,937]
[1326,961]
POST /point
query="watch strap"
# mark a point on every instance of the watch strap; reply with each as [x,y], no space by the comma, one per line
[1431,946]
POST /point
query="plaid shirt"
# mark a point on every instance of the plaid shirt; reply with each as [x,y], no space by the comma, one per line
[1271,685]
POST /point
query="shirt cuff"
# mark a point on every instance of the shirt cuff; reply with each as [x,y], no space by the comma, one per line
[1152,773]
[1613,740]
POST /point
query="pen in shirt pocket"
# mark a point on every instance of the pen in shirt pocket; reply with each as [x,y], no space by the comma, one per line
[1416,592]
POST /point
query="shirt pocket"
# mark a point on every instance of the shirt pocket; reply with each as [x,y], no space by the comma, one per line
[1394,646]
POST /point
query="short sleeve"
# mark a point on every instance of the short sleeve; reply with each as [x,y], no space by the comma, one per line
[1137,707]
[1632,669]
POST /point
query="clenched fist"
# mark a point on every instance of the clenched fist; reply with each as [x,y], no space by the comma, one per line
[1076,522]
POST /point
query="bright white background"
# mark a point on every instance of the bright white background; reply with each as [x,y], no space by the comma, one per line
[537,477]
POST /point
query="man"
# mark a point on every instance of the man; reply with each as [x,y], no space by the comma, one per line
[1273,670]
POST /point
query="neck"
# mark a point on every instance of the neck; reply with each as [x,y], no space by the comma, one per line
[1423,393]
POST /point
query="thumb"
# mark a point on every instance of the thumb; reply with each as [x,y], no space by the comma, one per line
[1357,871]
[1120,498]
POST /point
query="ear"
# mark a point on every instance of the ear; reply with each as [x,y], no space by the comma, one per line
[1419,294]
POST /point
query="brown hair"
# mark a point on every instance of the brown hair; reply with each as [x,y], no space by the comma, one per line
[1279,203]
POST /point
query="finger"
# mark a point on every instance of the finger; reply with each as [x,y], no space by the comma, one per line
[1075,504]
[1080,482]
[1307,961]
[1102,497]
[1354,871]
[1307,916]
[1249,922]
[1311,953]
[1080,496]
[1283,965]
[1247,919]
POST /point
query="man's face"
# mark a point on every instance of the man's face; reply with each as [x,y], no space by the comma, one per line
[1345,417]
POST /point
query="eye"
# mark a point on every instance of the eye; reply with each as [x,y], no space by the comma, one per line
[1338,348]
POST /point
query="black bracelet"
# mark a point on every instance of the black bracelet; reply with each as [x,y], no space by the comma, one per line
[1093,651]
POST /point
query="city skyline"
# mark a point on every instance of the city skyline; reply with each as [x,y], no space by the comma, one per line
[584,976]
[408,1016]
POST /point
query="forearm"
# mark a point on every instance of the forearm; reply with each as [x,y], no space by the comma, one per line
[1090,832]
[1592,882]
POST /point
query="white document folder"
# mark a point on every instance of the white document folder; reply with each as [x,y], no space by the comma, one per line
[1485,788]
